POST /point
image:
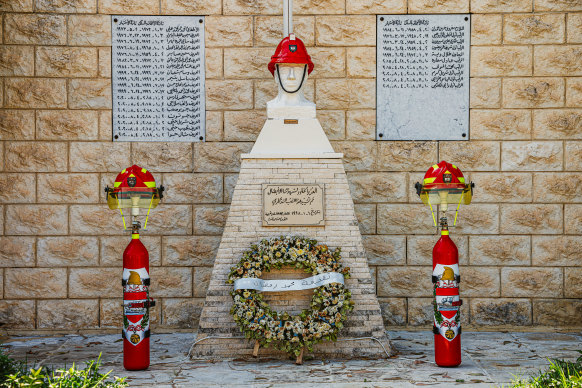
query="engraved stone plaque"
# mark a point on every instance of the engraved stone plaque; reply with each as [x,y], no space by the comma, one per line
[422,77]
[293,205]
[158,78]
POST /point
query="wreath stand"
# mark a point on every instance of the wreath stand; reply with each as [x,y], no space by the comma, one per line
[298,361]
[330,302]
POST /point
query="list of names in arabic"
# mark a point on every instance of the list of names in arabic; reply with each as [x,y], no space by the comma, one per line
[158,78]
[420,55]
[422,60]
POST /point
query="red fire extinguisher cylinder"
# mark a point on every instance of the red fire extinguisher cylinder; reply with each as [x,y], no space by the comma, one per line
[136,304]
[447,303]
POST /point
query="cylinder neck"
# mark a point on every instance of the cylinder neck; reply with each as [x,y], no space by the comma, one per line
[135,226]
[444,226]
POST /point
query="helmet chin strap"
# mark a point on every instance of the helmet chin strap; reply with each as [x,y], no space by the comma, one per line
[281,83]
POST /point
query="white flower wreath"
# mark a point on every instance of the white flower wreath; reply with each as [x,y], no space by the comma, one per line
[329,305]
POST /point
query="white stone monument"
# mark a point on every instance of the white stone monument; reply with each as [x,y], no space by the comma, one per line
[292,149]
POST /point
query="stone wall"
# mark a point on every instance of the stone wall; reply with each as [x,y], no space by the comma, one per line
[60,246]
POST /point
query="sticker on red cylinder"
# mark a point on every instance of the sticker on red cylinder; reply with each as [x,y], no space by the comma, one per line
[134,279]
[447,301]
[447,275]
[135,330]
[447,323]
[135,304]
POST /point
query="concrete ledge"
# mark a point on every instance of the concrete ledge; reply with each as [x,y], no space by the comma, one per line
[321,155]
[343,348]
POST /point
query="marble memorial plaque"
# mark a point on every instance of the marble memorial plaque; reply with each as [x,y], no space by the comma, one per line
[293,205]
[422,77]
[158,78]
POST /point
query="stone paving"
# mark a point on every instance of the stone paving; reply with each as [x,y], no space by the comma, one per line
[489,359]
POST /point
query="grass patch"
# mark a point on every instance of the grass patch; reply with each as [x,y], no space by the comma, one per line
[15,373]
[560,374]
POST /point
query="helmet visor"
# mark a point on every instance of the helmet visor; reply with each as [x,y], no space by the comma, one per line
[133,197]
[442,193]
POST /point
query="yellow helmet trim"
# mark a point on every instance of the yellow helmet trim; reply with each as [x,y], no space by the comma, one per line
[150,184]
[461,179]
[116,184]
[429,180]
[144,170]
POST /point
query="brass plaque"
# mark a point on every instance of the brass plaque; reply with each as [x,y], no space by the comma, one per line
[293,205]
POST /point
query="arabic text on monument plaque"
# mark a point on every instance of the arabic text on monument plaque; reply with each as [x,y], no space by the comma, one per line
[293,205]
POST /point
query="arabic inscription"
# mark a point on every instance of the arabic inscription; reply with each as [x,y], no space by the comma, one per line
[422,78]
[293,205]
[158,78]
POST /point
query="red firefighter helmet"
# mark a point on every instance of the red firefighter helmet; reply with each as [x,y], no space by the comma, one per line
[444,183]
[134,187]
[444,175]
[135,177]
[291,50]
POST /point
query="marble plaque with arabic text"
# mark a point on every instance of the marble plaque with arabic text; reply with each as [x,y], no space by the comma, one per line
[422,77]
[158,78]
[293,205]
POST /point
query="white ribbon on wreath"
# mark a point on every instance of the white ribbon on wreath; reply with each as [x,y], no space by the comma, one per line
[289,284]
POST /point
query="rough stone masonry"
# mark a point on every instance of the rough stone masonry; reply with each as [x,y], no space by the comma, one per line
[60,246]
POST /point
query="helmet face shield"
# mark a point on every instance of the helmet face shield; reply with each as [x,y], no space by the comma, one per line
[442,194]
[133,197]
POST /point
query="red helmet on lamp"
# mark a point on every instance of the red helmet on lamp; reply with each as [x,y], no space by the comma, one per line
[444,183]
[291,50]
[134,188]
[134,177]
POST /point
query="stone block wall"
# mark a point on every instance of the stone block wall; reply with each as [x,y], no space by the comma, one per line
[60,246]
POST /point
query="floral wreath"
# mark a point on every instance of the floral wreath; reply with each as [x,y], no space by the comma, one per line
[329,305]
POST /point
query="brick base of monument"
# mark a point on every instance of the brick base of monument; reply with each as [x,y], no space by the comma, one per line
[244,227]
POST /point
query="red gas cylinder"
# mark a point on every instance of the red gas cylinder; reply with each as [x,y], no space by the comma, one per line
[446,278]
[136,305]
